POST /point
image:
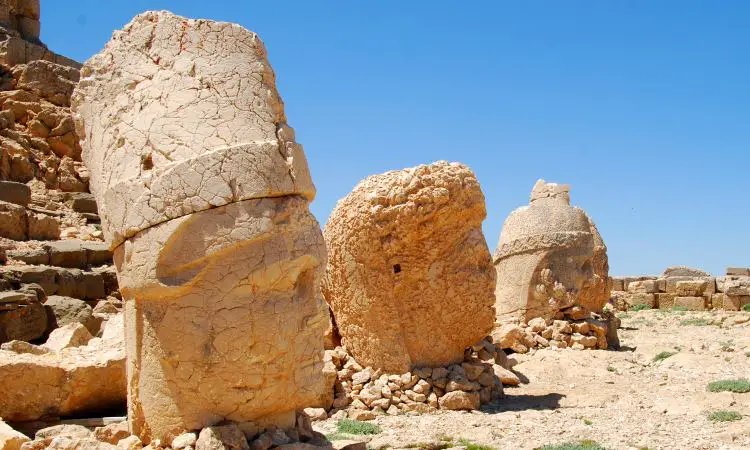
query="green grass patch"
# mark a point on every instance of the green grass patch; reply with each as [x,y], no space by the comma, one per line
[587,422]
[349,426]
[694,322]
[611,369]
[739,386]
[746,308]
[623,315]
[679,308]
[581,445]
[661,356]
[747,354]
[473,446]
[639,307]
[724,415]
[428,446]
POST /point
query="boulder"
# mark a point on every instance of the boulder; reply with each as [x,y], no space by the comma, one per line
[65,310]
[459,400]
[409,277]
[227,437]
[76,380]
[71,335]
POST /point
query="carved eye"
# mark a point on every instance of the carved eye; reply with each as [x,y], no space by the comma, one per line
[396,268]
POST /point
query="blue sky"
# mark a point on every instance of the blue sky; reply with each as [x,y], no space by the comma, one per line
[642,106]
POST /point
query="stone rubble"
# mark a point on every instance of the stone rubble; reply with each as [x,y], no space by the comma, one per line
[683,287]
[361,393]
[598,331]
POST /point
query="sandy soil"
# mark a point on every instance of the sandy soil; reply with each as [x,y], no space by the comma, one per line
[620,399]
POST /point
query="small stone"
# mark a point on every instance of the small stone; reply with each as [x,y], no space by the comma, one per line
[131,443]
[537,324]
[392,410]
[222,437]
[348,445]
[422,387]
[315,414]
[112,433]
[473,370]
[505,376]
[423,372]
[361,414]
[439,372]
[459,400]
[362,377]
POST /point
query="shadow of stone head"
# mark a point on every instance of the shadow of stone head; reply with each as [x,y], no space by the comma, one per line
[524,402]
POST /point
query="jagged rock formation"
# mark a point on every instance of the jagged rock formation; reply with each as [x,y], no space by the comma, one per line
[551,260]
[203,194]
[409,277]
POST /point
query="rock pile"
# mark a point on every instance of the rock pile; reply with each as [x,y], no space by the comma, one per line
[409,277]
[361,393]
[683,287]
[586,333]
[116,436]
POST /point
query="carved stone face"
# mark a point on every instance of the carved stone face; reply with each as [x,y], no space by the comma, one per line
[561,277]
[223,307]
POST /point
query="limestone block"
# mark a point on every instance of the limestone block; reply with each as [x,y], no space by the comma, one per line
[738,286]
[17,193]
[68,253]
[410,279]
[664,300]
[726,302]
[71,335]
[661,285]
[643,287]
[67,310]
[550,257]
[671,283]
[43,227]
[76,380]
[13,221]
[687,288]
[23,322]
[643,299]
[691,303]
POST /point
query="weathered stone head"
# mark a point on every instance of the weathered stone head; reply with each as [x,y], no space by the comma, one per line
[409,277]
[550,258]
[203,194]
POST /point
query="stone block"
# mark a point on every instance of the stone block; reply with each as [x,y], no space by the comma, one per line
[24,323]
[97,253]
[643,287]
[16,193]
[617,284]
[664,300]
[42,275]
[642,299]
[691,303]
[36,256]
[671,283]
[43,227]
[661,285]
[725,302]
[691,288]
[83,202]
[13,221]
[68,253]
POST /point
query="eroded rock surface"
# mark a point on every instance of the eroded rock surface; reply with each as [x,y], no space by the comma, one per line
[409,276]
[551,260]
[203,196]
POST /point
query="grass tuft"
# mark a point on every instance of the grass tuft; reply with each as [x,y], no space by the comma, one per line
[582,445]
[663,355]
[611,369]
[639,307]
[473,446]
[349,426]
[587,422]
[746,308]
[739,386]
[694,322]
[724,415]
[679,308]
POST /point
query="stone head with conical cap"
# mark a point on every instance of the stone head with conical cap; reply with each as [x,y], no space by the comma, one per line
[550,258]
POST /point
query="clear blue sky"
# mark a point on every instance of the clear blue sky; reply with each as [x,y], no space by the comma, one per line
[642,106]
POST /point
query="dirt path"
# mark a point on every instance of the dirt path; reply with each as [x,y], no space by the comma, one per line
[622,400]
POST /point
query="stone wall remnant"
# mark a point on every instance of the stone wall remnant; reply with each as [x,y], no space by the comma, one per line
[203,195]
[409,277]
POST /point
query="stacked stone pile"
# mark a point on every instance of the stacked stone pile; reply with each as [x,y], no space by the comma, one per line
[684,287]
[116,436]
[361,393]
[586,333]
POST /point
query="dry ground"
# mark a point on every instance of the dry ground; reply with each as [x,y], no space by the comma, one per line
[620,399]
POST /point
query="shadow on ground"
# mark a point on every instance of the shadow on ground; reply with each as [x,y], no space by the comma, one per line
[523,402]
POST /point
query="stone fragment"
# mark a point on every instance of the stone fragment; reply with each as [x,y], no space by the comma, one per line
[130,443]
[67,310]
[550,257]
[459,400]
[403,245]
[70,431]
[11,439]
[112,433]
[505,376]
[23,347]
[184,440]
[361,414]
[225,437]
[76,380]
[203,196]
[23,322]
[71,335]
[13,221]
[17,193]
